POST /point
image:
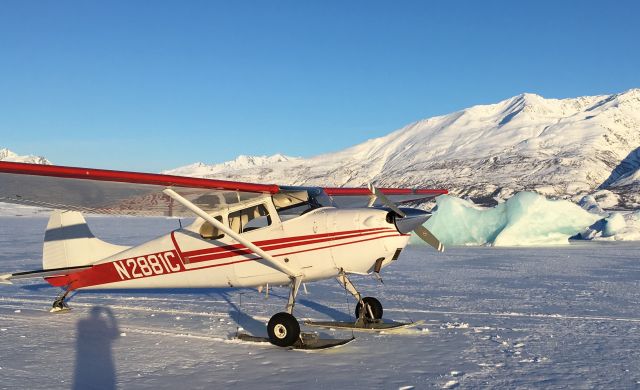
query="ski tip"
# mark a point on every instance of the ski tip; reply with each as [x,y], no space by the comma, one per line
[59,310]
[4,279]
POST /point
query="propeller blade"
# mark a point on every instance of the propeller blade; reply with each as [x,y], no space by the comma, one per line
[386,201]
[420,231]
[429,238]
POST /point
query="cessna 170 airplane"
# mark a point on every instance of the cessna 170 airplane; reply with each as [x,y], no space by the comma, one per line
[244,234]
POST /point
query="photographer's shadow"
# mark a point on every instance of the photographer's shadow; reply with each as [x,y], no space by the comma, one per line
[95,368]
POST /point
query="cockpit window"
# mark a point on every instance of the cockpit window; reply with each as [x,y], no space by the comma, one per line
[294,202]
[210,232]
[251,218]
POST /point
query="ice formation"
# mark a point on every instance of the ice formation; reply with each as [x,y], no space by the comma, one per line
[613,225]
[459,222]
[526,219]
[589,203]
[622,227]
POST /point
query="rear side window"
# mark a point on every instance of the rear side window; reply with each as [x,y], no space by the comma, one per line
[251,218]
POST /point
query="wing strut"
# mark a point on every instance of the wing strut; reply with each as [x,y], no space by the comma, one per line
[272,262]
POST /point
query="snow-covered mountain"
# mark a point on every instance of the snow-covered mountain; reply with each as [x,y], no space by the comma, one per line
[8,155]
[241,162]
[559,147]
[14,209]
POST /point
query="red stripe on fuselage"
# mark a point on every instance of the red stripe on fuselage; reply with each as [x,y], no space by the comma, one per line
[224,248]
[175,245]
[341,244]
[300,251]
[239,251]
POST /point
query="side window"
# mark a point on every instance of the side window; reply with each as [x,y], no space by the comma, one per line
[254,217]
[210,232]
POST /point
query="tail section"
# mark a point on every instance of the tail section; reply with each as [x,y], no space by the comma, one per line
[68,242]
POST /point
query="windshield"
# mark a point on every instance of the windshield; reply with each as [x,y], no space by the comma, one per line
[294,201]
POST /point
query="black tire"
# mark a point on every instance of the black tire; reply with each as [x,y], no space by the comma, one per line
[283,329]
[374,304]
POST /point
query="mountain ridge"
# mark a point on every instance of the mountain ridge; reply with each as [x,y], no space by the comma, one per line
[558,147]
[8,155]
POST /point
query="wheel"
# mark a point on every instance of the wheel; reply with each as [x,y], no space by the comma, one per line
[283,329]
[374,304]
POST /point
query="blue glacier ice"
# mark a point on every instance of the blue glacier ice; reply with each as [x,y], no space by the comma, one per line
[527,219]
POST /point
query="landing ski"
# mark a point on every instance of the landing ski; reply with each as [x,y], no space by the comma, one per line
[60,310]
[307,341]
[364,326]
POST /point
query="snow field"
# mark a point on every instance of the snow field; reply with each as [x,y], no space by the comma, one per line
[495,317]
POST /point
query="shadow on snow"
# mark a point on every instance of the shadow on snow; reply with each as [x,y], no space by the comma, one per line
[94,366]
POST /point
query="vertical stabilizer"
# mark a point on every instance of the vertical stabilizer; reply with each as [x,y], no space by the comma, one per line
[68,242]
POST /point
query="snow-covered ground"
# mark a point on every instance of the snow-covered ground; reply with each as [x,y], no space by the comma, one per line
[562,317]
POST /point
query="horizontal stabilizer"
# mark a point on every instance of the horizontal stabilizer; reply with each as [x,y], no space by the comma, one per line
[42,273]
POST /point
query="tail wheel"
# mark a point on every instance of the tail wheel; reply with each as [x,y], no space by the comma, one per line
[374,305]
[283,329]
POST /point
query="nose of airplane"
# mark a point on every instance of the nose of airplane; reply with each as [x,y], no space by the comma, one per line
[413,219]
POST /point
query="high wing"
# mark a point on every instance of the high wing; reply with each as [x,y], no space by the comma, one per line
[363,197]
[101,191]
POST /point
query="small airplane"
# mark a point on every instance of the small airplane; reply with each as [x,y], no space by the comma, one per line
[244,234]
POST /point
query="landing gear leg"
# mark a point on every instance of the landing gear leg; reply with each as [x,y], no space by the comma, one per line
[59,305]
[283,327]
[368,309]
[293,293]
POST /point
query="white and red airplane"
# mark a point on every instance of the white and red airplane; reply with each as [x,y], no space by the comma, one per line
[244,235]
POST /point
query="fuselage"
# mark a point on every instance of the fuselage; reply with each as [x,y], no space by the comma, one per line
[320,243]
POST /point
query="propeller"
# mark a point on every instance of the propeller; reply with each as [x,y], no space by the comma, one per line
[410,220]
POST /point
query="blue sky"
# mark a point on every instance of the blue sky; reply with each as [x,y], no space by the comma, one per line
[152,85]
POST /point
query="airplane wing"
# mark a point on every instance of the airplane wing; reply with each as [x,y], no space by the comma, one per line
[102,191]
[363,197]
